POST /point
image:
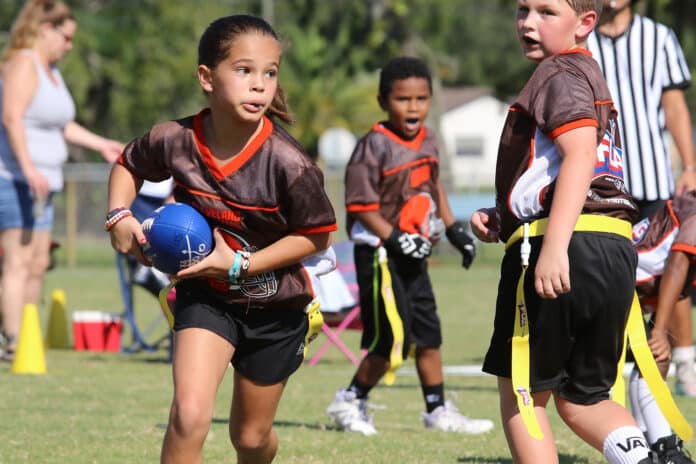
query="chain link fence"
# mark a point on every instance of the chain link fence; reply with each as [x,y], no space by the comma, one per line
[81,207]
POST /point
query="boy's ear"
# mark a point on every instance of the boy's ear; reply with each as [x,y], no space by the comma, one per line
[586,24]
[382,103]
[205,78]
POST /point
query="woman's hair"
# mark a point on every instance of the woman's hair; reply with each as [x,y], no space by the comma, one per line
[402,68]
[33,14]
[217,39]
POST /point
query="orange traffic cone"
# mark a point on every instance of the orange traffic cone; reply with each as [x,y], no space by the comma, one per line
[29,355]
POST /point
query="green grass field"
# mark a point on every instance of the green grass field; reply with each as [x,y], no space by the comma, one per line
[112,408]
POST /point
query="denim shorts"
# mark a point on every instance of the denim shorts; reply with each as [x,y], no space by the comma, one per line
[17,207]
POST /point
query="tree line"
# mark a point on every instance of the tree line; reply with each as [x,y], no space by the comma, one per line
[133,62]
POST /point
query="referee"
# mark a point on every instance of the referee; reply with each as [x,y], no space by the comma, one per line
[645,68]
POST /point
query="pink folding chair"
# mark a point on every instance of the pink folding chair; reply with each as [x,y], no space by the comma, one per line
[344,318]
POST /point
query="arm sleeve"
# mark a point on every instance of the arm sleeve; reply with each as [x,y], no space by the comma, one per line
[144,157]
[362,178]
[686,237]
[675,72]
[564,101]
[307,206]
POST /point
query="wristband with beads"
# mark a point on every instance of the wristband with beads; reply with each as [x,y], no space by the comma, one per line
[114,216]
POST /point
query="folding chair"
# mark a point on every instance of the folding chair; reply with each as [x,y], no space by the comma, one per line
[157,331]
[338,295]
[131,273]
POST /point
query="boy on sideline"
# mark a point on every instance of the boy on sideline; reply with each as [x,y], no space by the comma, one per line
[395,203]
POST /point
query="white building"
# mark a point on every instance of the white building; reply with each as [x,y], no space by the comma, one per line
[470,126]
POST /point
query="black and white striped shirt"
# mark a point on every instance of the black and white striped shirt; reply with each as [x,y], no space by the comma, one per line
[639,65]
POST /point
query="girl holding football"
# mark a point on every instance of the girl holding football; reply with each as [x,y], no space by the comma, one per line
[264,197]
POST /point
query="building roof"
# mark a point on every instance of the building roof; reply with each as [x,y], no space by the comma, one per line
[454,97]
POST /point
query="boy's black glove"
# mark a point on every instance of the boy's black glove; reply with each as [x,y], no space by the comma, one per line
[462,241]
[411,245]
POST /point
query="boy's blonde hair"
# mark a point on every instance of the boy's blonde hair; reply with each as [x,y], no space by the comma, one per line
[25,28]
[582,6]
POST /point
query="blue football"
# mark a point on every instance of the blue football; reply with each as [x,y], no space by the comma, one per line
[178,236]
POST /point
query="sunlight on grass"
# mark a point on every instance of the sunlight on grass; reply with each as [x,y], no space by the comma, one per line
[112,408]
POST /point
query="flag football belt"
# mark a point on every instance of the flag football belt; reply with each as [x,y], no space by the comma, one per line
[313,310]
[635,333]
[386,292]
[164,304]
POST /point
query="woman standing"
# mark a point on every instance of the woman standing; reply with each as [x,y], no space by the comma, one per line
[37,120]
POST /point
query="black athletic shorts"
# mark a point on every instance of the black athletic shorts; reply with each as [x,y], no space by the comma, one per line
[269,344]
[414,297]
[576,339]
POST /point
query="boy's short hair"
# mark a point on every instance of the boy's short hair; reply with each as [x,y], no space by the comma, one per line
[581,6]
[402,68]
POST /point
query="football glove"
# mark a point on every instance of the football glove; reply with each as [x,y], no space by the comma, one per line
[411,245]
[462,241]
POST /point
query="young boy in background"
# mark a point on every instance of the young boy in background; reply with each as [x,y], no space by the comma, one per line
[568,274]
[666,245]
[397,210]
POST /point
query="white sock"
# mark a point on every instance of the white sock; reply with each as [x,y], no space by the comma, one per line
[625,445]
[683,354]
[683,358]
[633,397]
[655,422]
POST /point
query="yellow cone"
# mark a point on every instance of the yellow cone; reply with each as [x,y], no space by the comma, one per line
[29,356]
[57,331]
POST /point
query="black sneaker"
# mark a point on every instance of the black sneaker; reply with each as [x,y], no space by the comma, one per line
[8,343]
[651,459]
[670,450]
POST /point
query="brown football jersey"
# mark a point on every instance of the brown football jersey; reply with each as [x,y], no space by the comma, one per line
[672,227]
[565,92]
[269,190]
[386,171]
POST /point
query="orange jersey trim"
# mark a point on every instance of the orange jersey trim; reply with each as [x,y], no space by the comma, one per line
[356,208]
[670,210]
[688,249]
[318,230]
[645,281]
[572,125]
[308,278]
[583,51]
[240,158]
[227,202]
[414,144]
[428,160]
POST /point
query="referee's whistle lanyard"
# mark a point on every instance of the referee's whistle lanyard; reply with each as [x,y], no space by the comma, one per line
[635,333]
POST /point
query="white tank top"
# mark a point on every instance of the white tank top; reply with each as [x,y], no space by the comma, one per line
[48,113]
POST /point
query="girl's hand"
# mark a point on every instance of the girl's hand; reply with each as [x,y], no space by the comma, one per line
[484,224]
[216,264]
[127,237]
[552,275]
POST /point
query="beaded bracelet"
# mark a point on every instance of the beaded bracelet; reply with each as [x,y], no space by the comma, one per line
[114,216]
